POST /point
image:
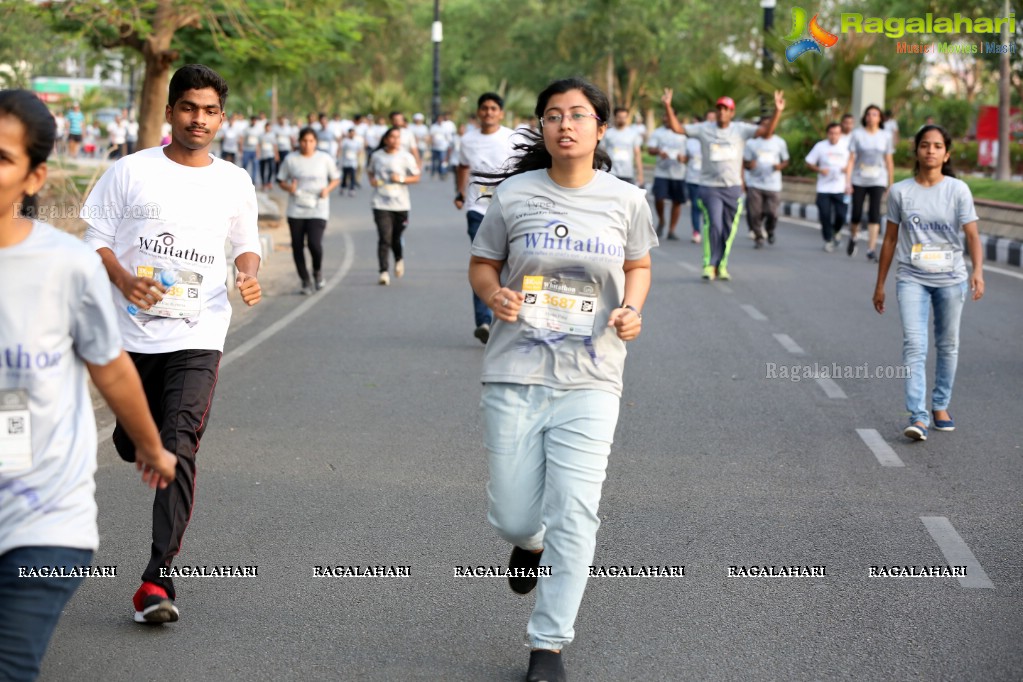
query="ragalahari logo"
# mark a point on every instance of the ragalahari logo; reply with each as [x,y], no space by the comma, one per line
[818,36]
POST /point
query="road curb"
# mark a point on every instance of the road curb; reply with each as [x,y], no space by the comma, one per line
[996,249]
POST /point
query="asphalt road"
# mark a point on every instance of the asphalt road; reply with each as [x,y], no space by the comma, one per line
[349,434]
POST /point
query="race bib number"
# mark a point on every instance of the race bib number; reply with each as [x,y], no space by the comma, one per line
[766,161]
[15,431]
[183,298]
[697,163]
[722,152]
[933,257]
[622,157]
[486,194]
[560,305]
[870,172]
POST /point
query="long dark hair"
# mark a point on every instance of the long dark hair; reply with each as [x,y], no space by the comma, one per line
[946,167]
[533,154]
[40,133]
[880,115]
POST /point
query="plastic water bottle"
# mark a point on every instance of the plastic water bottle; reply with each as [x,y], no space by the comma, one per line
[166,278]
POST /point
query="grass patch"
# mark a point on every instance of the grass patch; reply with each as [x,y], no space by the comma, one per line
[982,188]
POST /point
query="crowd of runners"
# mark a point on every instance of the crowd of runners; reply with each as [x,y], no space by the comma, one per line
[141,305]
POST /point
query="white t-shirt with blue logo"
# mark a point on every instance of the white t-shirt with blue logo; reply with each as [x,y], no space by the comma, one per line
[55,313]
[156,214]
[931,219]
[564,248]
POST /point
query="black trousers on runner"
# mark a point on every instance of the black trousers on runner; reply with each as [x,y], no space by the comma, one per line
[179,387]
[301,229]
[390,225]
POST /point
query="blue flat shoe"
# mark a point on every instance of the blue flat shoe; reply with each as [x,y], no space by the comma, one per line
[914,432]
[944,424]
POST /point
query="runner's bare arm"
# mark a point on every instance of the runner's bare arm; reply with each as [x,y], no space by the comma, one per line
[248,286]
[485,278]
[143,292]
[628,323]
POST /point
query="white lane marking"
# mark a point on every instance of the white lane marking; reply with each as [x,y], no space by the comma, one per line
[244,349]
[956,551]
[884,453]
[788,344]
[753,312]
[1000,271]
[831,389]
[724,287]
[688,266]
[241,351]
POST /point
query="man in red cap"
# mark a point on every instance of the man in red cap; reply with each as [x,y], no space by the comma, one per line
[722,143]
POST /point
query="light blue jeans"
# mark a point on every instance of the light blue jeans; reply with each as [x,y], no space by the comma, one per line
[547,451]
[915,302]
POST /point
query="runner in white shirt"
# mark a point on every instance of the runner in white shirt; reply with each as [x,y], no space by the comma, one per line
[669,175]
[486,149]
[57,330]
[180,206]
[351,149]
[117,134]
[624,145]
[391,169]
[422,134]
[440,147]
[408,139]
[828,159]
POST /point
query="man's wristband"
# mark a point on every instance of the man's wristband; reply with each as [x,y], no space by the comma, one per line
[633,309]
[459,197]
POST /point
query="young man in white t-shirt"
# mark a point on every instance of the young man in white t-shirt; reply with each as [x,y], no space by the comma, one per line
[483,150]
[829,159]
[167,211]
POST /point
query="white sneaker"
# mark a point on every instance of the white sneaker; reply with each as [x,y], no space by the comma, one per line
[829,246]
[385,279]
[399,268]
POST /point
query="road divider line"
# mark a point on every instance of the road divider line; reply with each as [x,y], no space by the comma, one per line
[831,389]
[884,453]
[244,349]
[753,312]
[956,551]
[724,287]
[688,267]
[788,344]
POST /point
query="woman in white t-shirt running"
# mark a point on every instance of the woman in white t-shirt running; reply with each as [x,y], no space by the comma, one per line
[391,169]
[562,258]
[52,339]
[930,216]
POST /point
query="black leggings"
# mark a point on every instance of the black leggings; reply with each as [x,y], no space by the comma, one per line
[874,212]
[348,178]
[313,228]
[267,170]
[390,225]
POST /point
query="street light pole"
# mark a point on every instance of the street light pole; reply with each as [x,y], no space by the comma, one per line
[767,61]
[437,33]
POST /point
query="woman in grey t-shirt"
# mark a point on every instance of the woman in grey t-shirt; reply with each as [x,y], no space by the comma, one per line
[870,172]
[562,257]
[57,331]
[929,217]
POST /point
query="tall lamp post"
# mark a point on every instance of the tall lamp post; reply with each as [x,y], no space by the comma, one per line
[437,34]
[767,61]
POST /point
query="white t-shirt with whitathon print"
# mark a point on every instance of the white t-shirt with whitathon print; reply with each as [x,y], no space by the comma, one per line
[156,214]
[931,219]
[55,312]
[564,248]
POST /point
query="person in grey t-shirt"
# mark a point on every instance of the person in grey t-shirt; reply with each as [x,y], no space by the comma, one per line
[870,173]
[722,143]
[308,177]
[563,259]
[929,216]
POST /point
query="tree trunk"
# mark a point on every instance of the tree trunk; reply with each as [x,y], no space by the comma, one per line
[153,101]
